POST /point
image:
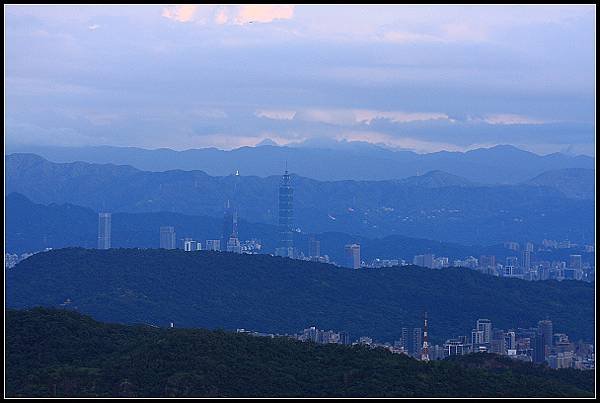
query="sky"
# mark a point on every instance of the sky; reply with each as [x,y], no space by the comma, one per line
[422,78]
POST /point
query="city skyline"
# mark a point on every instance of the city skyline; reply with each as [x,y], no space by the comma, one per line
[279,200]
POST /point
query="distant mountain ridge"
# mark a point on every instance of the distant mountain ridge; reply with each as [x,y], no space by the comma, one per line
[434,206]
[349,160]
[578,183]
[437,179]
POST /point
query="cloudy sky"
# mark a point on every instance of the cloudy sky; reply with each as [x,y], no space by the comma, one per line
[424,78]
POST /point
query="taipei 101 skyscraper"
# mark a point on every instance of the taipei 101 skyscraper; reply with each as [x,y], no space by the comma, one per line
[286,217]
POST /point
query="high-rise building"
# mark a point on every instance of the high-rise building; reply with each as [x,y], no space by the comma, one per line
[344,338]
[545,333]
[538,348]
[511,267]
[498,346]
[311,333]
[526,260]
[455,347]
[477,338]
[417,342]
[412,341]
[230,222]
[575,262]
[167,238]
[190,245]
[487,261]
[485,325]
[428,260]
[286,217]
[424,260]
[213,244]
[314,247]
[405,339]
[510,341]
[352,256]
[104,230]
[233,245]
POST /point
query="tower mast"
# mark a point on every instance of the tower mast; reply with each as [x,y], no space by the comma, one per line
[425,351]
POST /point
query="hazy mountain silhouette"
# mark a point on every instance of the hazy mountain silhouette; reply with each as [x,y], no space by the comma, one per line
[577,183]
[328,160]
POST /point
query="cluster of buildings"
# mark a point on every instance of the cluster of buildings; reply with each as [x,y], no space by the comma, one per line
[229,242]
[549,244]
[11,259]
[536,344]
[520,265]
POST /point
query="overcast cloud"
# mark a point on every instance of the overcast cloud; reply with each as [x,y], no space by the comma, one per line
[422,78]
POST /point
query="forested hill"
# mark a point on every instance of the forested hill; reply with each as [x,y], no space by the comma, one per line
[280,295]
[54,353]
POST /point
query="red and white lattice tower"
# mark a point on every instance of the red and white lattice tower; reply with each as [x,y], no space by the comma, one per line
[425,351]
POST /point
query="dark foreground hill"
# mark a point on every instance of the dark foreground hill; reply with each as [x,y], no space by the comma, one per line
[59,353]
[280,295]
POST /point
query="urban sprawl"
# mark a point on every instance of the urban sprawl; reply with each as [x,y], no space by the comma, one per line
[536,344]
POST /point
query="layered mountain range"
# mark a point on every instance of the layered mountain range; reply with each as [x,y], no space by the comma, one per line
[437,205]
[332,161]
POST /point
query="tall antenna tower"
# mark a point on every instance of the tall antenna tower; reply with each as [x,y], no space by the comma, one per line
[425,351]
